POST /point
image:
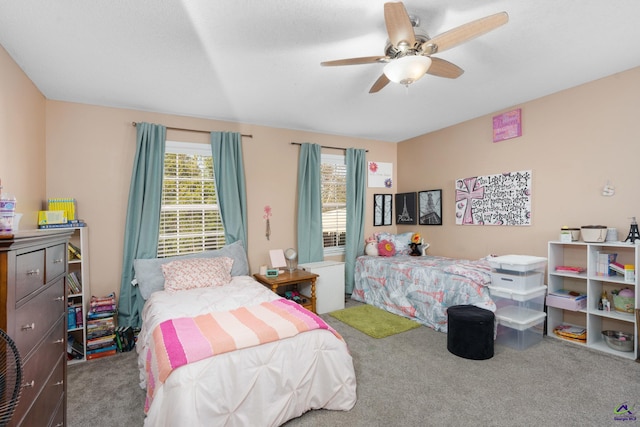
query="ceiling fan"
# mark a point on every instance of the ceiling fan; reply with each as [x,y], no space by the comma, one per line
[408,52]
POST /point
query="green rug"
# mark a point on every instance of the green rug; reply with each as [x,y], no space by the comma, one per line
[373,321]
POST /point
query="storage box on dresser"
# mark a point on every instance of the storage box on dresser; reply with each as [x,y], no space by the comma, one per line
[584,255]
[33,266]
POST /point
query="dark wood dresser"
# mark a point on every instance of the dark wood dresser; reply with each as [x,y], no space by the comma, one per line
[33,267]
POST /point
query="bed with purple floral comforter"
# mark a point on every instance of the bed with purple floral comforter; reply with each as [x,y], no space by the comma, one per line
[422,288]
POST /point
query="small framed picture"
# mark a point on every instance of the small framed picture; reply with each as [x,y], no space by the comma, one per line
[406,208]
[430,210]
[382,209]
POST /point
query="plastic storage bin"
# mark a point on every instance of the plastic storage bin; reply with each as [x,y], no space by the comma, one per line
[519,328]
[517,263]
[532,299]
[517,272]
[520,316]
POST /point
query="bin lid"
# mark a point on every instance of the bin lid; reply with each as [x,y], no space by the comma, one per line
[518,259]
[518,295]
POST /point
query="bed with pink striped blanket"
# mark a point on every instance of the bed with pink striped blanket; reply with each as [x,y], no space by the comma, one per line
[238,354]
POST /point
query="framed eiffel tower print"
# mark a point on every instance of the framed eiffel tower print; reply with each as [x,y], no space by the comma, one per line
[406,209]
[430,207]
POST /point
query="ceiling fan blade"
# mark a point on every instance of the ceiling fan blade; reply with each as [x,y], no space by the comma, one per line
[355,61]
[399,25]
[441,68]
[379,84]
[464,33]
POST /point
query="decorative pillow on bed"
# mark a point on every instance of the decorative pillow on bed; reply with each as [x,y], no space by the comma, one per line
[196,273]
[400,241]
[386,248]
[149,271]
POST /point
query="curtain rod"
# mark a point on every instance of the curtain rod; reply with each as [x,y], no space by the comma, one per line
[193,130]
[326,146]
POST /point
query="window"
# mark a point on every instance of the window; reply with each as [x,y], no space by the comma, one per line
[333,181]
[190,218]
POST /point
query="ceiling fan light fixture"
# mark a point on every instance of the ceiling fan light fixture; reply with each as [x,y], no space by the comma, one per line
[407,69]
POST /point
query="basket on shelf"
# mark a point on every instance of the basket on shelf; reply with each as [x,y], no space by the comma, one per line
[624,300]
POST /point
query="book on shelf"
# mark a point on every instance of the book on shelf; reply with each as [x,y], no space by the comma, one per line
[65,204]
[617,268]
[102,354]
[75,318]
[603,261]
[571,332]
[73,283]
[74,348]
[107,342]
[102,349]
[102,315]
[71,318]
[69,224]
[565,293]
[79,316]
[109,299]
[74,251]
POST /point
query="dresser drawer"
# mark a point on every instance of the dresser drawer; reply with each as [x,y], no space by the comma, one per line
[29,273]
[56,260]
[42,411]
[58,417]
[39,366]
[36,316]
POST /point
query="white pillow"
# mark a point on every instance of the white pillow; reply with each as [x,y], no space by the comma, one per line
[196,273]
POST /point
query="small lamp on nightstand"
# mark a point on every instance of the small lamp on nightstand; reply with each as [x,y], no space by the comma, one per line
[292,259]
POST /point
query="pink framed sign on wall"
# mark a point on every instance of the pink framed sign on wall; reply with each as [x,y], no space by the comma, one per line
[507,125]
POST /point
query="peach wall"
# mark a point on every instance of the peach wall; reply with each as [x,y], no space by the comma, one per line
[90,156]
[573,142]
[22,139]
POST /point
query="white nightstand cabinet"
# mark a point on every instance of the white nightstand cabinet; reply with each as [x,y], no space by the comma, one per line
[329,286]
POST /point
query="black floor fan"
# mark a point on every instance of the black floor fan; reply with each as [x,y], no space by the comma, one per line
[10,377]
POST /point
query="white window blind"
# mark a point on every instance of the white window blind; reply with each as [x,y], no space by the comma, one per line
[190,218]
[333,172]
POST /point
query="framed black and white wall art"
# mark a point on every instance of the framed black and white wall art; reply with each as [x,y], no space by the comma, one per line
[382,209]
[430,207]
[406,208]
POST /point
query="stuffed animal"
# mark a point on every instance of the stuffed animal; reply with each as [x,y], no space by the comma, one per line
[415,249]
[371,249]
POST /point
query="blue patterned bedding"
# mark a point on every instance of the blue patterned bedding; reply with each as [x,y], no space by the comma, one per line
[422,288]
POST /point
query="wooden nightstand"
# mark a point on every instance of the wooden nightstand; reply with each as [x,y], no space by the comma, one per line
[294,278]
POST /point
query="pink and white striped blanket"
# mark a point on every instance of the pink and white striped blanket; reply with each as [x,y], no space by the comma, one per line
[176,342]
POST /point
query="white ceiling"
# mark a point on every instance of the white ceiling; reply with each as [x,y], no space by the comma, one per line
[258,62]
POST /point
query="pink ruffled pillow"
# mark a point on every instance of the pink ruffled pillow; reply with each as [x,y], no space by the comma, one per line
[386,248]
[196,273]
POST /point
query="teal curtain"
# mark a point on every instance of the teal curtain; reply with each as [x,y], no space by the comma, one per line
[228,169]
[356,198]
[143,216]
[309,205]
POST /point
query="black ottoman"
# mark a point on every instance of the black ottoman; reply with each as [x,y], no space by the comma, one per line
[470,332]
